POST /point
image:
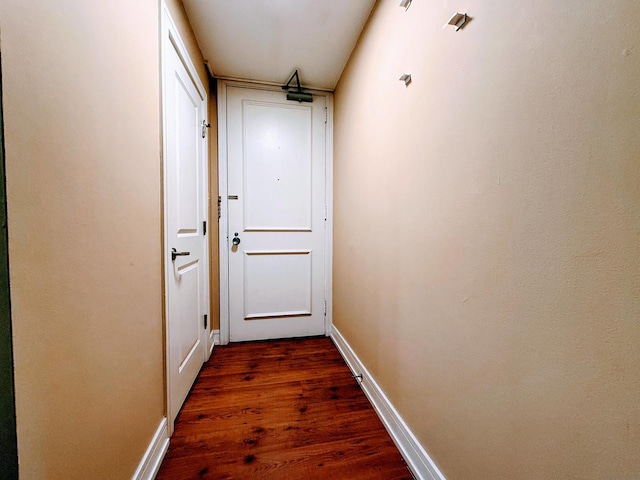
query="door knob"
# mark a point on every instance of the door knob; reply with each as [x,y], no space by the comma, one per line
[175,253]
[236,239]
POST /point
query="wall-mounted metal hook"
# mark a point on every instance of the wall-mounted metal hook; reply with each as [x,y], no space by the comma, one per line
[205,125]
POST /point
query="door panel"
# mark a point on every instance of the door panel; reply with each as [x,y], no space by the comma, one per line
[186,169]
[276,185]
[188,325]
[290,296]
[277,167]
[185,203]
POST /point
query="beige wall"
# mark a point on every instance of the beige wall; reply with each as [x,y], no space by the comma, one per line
[82,113]
[487,222]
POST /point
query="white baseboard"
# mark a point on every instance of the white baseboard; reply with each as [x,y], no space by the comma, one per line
[150,463]
[214,339]
[416,457]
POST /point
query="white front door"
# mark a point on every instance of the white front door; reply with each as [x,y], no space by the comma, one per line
[184,107]
[276,211]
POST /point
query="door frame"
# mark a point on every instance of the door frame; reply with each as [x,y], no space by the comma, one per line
[170,38]
[223,168]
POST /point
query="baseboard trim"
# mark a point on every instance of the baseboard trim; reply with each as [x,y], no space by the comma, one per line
[416,457]
[150,463]
[216,337]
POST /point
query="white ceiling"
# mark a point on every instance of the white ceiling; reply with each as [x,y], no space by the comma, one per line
[266,40]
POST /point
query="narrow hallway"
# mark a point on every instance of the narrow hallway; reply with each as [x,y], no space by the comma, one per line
[280,409]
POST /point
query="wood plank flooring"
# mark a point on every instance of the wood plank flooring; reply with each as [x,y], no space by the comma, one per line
[285,409]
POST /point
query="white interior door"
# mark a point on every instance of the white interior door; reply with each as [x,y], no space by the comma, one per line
[184,106]
[277,213]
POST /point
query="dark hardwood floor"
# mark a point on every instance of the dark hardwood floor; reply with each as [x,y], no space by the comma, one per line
[286,409]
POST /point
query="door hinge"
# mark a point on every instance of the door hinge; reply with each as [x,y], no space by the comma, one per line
[326,115]
[205,322]
[219,207]
[204,227]
[326,211]
[325,308]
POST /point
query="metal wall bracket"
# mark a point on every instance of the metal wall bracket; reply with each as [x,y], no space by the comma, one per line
[406,78]
[458,20]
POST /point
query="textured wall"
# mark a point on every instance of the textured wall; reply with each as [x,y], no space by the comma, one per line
[487,223]
[82,113]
